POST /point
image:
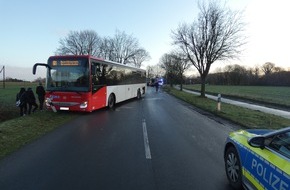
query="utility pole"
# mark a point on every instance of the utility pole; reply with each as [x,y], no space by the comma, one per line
[3,70]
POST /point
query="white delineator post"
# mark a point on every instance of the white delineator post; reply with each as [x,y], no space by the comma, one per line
[219,99]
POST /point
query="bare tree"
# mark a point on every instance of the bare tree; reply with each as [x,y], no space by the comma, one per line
[157,71]
[140,56]
[236,74]
[175,64]
[268,68]
[181,64]
[126,50]
[123,48]
[85,42]
[255,74]
[107,49]
[215,36]
[150,72]
[256,71]
[167,63]
[278,69]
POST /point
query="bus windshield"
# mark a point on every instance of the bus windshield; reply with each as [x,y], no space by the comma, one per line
[68,75]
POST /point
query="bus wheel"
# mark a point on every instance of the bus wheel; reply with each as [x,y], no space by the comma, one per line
[138,94]
[111,101]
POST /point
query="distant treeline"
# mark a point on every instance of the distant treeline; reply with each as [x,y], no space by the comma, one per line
[8,79]
[266,75]
[281,78]
[13,80]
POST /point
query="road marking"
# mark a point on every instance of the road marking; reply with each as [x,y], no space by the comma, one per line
[146,141]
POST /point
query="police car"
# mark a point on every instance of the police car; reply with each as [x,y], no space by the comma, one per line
[258,159]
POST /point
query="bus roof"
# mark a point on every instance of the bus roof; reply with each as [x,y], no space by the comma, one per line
[74,56]
[94,58]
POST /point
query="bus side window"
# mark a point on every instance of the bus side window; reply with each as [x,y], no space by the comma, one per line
[94,73]
[97,76]
[94,77]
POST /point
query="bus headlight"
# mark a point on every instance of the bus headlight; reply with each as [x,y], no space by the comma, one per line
[84,105]
[48,102]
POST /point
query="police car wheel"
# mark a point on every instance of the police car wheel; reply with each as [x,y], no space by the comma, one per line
[233,168]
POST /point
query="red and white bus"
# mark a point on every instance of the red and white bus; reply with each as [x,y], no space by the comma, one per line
[85,83]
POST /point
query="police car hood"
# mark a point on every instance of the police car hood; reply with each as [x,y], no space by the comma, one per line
[259,131]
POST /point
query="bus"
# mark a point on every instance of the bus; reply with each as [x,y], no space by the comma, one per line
[86,83]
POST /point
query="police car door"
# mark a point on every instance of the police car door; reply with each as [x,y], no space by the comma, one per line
[269,167]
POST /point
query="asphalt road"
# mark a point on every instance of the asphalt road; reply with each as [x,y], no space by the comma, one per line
[157,143]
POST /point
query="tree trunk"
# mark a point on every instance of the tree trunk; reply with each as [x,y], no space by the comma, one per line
[202,90]
[181,81]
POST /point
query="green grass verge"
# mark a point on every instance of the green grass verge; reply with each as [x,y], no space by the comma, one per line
[241,116]
[22,130]
[267,94]
[16,131]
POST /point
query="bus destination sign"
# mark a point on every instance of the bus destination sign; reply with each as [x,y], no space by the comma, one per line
[69,63]
[65,63]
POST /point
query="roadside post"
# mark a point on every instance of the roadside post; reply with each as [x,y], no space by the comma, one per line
[3,70]
[219,99]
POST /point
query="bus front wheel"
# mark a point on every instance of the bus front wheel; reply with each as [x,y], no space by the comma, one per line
[111,101]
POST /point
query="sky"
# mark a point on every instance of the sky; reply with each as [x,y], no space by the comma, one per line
[31,30]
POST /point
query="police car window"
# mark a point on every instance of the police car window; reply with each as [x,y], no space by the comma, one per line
[281,144]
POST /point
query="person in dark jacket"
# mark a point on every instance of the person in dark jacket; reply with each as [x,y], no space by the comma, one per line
[31,101]
[156,84]
[40,93]
[22,96]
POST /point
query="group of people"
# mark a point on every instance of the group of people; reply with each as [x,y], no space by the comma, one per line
[27,98]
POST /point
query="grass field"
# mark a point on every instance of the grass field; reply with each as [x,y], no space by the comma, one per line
[267,94]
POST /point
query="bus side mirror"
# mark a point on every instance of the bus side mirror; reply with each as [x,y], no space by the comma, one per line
[40,64]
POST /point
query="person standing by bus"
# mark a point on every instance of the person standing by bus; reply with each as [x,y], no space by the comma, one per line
[40,93]
[22,96]
[31,101]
